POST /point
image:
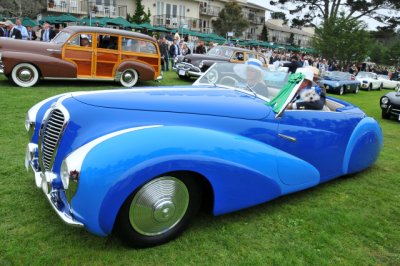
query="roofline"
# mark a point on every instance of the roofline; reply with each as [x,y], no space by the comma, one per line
[257,6]
[76,29]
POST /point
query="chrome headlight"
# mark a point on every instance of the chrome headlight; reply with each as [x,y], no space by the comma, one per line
[385,100]
[201,64]
[69,178]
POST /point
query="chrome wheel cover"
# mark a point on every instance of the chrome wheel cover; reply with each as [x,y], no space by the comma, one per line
[127,76]
[25,75]
[159,206]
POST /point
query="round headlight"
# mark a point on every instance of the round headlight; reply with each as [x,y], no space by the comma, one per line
[385,100]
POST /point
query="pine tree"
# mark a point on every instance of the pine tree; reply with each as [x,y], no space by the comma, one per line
[264,34]
[139,14]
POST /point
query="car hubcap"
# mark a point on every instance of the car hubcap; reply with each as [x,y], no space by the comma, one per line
[159,206]
[25,75]
[127,77]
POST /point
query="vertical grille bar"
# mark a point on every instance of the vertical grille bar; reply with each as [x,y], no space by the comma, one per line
[50,137]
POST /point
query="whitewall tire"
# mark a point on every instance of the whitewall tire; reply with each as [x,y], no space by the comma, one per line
[25,75]
[129,78]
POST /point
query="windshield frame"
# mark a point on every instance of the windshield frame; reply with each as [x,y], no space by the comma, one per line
[61,35]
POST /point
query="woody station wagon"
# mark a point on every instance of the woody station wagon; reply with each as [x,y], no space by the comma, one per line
[84,53]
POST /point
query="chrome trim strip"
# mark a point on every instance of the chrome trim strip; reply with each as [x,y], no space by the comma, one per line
[292,139]
[53,50]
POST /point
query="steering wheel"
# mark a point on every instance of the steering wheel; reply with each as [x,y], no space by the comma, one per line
[228,81]
[212,76]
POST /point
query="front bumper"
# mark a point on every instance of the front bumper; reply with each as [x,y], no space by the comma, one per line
[55,196]
[188,70]
[391,109]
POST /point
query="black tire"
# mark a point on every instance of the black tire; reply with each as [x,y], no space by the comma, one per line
[163,210]
[385,115]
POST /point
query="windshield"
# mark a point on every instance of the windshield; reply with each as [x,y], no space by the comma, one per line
[259,80]
[365,75]
[61,37]
[221,51]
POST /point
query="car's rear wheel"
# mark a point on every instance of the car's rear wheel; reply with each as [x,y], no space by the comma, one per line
[158,211]
[385,115]
[25,75]
[129,78]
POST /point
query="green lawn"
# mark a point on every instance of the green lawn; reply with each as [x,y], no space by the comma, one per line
[349,221]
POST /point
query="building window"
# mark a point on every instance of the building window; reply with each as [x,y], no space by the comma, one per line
[160,8]
[168,10]
[174,11]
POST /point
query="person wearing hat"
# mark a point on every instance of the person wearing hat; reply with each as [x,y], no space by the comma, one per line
[252,73]
[317,99]
[12,31]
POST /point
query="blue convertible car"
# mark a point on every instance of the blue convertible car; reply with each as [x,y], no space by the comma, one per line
[139,162]
[340,82]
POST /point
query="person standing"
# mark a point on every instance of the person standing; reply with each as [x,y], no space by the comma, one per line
[47,33]
[174,51]
[31,33]
[164,54]
[22,29]
[12,31]
[2,29]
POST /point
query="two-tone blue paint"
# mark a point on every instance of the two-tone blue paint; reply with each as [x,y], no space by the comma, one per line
[230,138]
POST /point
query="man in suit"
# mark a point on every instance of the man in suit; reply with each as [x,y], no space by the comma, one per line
[31,33]
[47,33]
[12,31]
[174,51]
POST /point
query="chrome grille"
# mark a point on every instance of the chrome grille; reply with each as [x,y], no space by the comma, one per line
[51,134]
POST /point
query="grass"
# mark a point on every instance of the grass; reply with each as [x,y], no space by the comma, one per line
[349,221]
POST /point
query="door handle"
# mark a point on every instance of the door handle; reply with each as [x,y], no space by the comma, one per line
[292,139]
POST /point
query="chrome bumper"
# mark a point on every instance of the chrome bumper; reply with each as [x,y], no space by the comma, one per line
[186,69]
[56,197]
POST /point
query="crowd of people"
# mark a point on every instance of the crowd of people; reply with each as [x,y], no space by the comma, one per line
[173,45]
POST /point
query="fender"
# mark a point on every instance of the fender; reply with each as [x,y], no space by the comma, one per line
[48,66]
[364,146]
[145,71]
[242,172]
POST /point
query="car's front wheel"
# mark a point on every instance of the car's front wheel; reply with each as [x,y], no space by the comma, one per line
[129,78]
[158,211]
[25,75]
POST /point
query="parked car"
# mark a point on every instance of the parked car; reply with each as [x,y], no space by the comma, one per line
[369,81]
[194,65]
[390,105]
[340,82]
[387,83]
[145,174]
[83,53]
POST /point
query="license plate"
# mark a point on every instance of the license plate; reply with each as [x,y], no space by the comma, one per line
[182,72]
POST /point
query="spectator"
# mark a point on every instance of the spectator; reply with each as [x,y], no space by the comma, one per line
[293,65]
[164,54]
[12,31]
[201,49]
[174,51]
[47,33]
[185,49]
[21,28]
[2,29]
[31,33]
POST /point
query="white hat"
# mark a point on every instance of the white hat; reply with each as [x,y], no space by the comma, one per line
[308,73]
[251,64]
[8,23]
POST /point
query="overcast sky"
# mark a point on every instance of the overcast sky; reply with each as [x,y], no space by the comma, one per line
[372,24]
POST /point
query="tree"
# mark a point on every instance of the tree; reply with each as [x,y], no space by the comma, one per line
[342,39]
[264,34]
[279,15]
[380,10]
[139,16]
[291,39]
[22,8]
[230,18]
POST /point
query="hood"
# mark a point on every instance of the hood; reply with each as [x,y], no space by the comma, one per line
[34,47]
[195,100]
[198,57]
[394,97]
